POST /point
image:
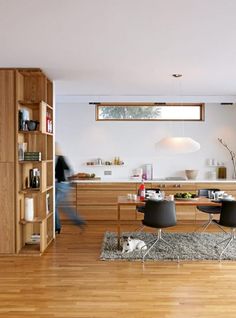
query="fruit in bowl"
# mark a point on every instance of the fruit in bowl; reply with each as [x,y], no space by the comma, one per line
[185,195]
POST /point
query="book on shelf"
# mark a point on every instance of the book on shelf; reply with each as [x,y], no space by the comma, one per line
[32,156]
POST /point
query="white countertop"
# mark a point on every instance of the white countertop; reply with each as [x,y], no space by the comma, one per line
[161,181]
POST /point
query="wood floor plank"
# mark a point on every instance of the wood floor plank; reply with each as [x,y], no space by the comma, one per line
[69,280]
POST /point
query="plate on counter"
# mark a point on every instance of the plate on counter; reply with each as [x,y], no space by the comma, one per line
[186,199]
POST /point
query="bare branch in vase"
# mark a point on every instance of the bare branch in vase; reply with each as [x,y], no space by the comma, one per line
[232,155]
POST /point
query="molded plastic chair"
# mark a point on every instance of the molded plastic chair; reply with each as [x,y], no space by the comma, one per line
[227,219]
[159,215]
[210,210]
[141,209]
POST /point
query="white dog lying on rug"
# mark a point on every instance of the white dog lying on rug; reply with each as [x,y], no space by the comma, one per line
[131,244]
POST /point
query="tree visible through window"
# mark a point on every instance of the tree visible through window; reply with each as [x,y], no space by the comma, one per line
[193,112]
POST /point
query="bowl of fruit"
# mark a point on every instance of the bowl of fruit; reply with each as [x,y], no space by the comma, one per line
[185,196]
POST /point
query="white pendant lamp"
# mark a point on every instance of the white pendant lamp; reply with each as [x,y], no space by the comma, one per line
[177,145]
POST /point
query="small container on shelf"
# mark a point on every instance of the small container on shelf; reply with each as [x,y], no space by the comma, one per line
[32,125]
[222,172]
[29,209]
[212,175]
[22,148]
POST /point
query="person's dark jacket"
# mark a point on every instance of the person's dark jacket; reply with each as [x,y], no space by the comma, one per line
[61,166]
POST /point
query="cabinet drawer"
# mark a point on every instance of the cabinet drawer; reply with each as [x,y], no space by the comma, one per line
[104,196]
[182,213]
[108,213]
[205,216]
[185,213]
[221,186]
[177,187]
[106,186]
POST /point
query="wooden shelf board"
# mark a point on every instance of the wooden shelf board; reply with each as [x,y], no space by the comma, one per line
[37,220]
[30,190]
[32,105]
[35,161]
[34,132]
[47,189]
[49,215]
[49,106]
[29,132]
[30,161]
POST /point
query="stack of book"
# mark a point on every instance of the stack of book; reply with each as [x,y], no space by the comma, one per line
[32,156]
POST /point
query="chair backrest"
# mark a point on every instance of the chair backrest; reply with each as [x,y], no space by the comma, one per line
[228,214]
[204,192]
[159,214]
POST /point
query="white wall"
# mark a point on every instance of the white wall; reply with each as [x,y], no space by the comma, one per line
[84,139]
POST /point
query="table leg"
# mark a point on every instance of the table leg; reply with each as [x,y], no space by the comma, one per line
[118,226]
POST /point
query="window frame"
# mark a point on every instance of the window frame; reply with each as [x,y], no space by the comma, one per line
[201,105]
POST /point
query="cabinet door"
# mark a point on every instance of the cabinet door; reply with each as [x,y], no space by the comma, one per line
[7,111]
[7,224]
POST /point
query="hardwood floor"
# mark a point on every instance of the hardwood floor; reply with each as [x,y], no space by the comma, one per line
[69,280]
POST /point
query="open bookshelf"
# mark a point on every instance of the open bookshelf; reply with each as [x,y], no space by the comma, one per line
[34,162]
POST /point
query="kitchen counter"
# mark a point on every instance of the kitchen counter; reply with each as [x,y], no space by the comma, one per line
[97,200]
[159,181]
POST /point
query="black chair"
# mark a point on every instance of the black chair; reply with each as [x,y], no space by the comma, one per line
[141,209]
[210,210]
[159,215]
[227,219]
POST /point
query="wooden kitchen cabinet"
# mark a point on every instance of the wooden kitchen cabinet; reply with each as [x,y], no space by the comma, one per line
[97,201]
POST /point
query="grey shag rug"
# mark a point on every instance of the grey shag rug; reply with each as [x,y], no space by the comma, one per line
[188,246]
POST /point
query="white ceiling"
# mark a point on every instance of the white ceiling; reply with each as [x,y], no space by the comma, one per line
[124,47]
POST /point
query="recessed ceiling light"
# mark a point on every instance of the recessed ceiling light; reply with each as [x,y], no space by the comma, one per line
[177,75]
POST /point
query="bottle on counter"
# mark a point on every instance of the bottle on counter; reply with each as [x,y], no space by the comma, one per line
[141,191]
[222,172]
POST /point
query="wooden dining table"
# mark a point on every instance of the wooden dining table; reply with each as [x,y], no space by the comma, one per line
[124,201]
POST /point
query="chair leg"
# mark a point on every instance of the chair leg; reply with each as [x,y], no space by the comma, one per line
[150,248]
[159,238]
[230,240]
[205,225]
[220,227]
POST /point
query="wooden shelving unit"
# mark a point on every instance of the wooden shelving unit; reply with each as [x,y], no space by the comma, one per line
[35,97]
[26,92]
